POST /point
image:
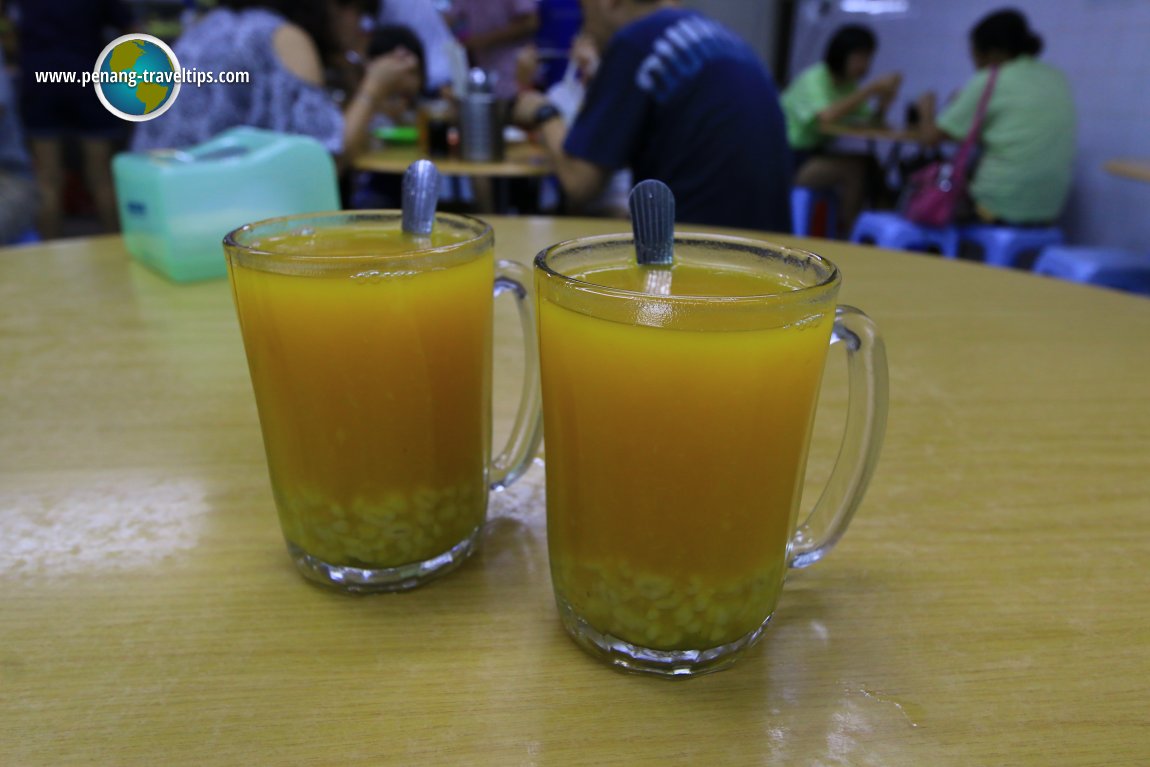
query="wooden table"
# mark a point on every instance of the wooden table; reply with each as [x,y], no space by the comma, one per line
[520,160]
[990,604]
[1139,170]
[872,133]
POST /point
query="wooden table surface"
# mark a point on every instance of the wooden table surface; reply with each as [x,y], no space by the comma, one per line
[990,604]
[1137,169]
[520,159]
[872,133]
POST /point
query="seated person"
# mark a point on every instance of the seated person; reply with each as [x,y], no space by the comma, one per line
[678,98]
[384,190]
[398,106]
[1028,132]
[831,92]
[284,47]
[60,36]
[493,31]
[18,195]
[436,39]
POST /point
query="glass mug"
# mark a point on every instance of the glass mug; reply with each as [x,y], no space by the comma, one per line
[370,352]
[678,405]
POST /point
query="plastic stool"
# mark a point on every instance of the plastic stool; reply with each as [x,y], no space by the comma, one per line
[890,230]
[804,202]
[1006,245]
[27,237]
[1106,267]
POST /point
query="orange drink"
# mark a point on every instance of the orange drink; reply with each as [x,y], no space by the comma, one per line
[677,428]
[370,357]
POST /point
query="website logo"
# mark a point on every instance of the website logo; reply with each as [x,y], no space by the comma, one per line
[137,77]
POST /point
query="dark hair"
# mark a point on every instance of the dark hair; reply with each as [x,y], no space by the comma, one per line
[369,8]
[312,16]
[1005,31]
[848,40]
[388,37]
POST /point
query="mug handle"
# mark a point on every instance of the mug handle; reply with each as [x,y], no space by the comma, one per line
[862,438]
[527,432]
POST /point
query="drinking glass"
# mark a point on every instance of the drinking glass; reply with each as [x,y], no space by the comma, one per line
[370,352]
[678,405]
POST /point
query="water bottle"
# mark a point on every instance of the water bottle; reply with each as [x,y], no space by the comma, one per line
[480,126]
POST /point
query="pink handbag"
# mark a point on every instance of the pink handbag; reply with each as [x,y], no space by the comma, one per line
[935,191]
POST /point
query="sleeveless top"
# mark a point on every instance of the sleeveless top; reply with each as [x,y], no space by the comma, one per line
[273,98]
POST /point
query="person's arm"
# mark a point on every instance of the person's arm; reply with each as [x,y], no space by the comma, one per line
[929,134]
[582,181]
[955,121]
[298,53]
[527,67]
[521,28]
[383,77]
[882,89]
[886,93]
[609,130]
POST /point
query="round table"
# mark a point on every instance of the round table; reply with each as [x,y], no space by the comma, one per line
[871,132]
[520,160]
[990,603]
[1139,170]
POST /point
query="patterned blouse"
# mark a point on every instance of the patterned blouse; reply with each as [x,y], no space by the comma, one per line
[273,98]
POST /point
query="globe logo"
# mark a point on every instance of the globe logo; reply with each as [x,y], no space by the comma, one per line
[137,77]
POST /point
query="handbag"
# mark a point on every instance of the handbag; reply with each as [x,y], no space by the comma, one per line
[935,191]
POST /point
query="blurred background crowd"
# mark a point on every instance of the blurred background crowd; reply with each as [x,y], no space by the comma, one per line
[613,90]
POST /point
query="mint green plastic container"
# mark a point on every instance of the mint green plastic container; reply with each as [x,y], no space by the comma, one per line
[177,205]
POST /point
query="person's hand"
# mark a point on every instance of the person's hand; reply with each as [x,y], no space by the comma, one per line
[585,55]
[525,107]
[926,104]
[526,66]
[391,73]
[885,88]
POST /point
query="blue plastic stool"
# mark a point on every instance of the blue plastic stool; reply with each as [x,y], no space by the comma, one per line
[804,202]
[1106,267]
[28,237]
[1006,245]
[890,230]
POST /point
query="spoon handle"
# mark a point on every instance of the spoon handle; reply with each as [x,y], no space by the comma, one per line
[420,196]
[653,221]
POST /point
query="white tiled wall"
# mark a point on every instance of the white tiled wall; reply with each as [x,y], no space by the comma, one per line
[755,20]
[1103,46]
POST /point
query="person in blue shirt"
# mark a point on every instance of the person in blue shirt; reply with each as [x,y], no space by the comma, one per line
[678,98]
[18,195]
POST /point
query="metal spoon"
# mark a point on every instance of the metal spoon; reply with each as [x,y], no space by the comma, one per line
[653,222]
[420,196]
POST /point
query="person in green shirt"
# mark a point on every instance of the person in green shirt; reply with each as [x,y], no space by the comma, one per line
[829,92]
[1027,138]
